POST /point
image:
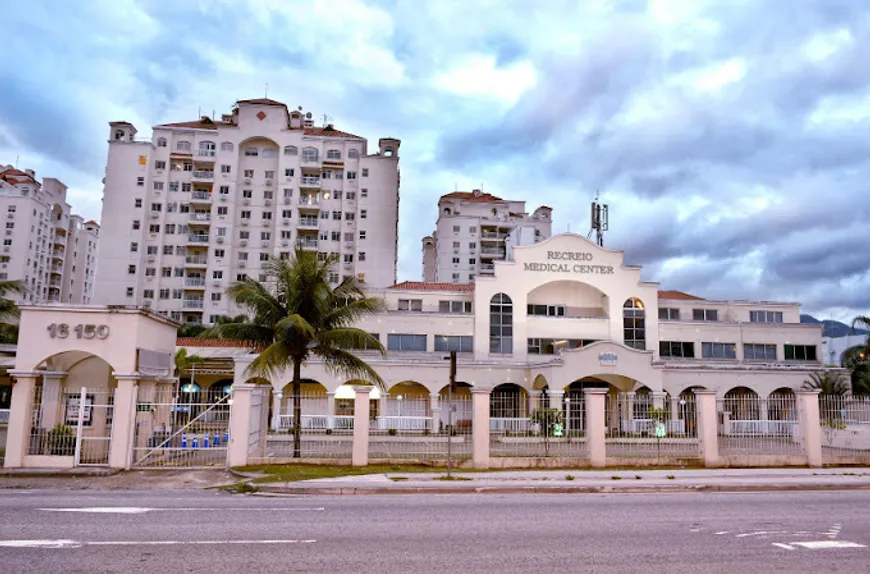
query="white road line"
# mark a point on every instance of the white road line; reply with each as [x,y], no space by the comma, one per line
[820,544]
[762,533]
[79,544]
[781,545]
[143,510]
[722,532]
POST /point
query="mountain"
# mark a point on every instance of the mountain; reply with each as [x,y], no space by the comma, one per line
[833,328]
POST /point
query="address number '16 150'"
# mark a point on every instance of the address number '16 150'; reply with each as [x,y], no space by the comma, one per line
[62,331]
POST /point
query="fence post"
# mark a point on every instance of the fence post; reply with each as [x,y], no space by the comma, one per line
[124,420]
[276,410]
[595,426]
[480,427]
[435,412]
[361,410]
[330,410]
[20,418]
[240,424]
[811,430]
[708,427]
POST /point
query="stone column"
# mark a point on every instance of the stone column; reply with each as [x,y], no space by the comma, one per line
[480,427]
[626,402]
[240,424]
[658,399]
[435,413]
[123,420]
[811,430]
[708,427]
[557,401]
[361,409]
[383,404]
[276,410]
[595,426]
[20,418]
[330,409]
[51,402]
[764,416]
[534,401]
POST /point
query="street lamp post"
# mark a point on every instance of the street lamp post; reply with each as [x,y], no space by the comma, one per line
[450,413]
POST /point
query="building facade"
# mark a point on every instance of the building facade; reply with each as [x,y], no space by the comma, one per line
[45,246]
[476,229]
[205,203]
[834,348]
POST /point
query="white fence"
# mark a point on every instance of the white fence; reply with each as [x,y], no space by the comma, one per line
[759,430]
[845,428]
[647,426]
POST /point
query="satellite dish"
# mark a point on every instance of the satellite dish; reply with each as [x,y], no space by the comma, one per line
[308,115]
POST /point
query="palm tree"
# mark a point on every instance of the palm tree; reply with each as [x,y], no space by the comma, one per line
[828,382]
[9,311]
[185,362]
[296,315]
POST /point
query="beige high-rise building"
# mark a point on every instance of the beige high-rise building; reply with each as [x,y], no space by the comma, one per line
[476,229]
[45,246]
[204,203]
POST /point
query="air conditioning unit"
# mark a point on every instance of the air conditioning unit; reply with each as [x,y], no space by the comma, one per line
[217,282]
[264,243]
[247,180]
[10,216]
[270,182]
[286,222]
[268,202]
[224,197]
[242,263]
[245,222]
[246,201]
[243,242]
[288,200]
[6,249]
[155,214]
[151,257]
[285,242]
[220,239]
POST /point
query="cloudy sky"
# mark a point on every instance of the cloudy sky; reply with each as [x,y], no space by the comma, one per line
[730,138]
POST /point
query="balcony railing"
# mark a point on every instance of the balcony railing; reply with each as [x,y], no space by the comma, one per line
[200,195]
[205,152]
[57,268]
[197,238]
[194,282]
[308,222]
[487,267]
[194,260]
[493,235]
[201,174]
[309,181]
[200,216]
[492,251]
[308,200]
[192,303]
[308,243]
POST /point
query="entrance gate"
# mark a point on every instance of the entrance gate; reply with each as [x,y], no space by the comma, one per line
[180,432]
[91,410]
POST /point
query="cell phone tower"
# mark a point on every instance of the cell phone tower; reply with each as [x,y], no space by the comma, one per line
[600,221]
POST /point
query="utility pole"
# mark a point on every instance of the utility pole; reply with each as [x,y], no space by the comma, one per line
[450,413]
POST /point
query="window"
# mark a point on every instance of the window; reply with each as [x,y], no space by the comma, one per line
[362,234]
[759,352]
[351,175]
[186,187]
[219,253]
[348,257]
[177,293]
[350,195]
[362,255]
[765,317]
[168,249]
[460,344]
[226,146]
[225,190]
[226,168]
[161,142]
[251,152]
[454,306]
[150,272]
[335,194]
[289,172]
[363,214]
[154,228]
[247,193]
[540,346]
[545,310]
[501,324]
[718,350]
[243,256]
[472,246]
[473,229]
[364,192]
[268,194]
[410,304]
[136,224]
[472,261]
[348,216]
[241,277]
[286,213]
[288,192]
[291,150]
[677,349]
[249,173]
[156,207]
[134,247]
[173,186]
[164,293]
[245,214]
[666,314]
[151,250]
[270,174]
[800,353]
[131,269]
[215,296]
[148,293]
[705,315]
[365,172]
[336,215]
[161,164]
[634,324]
[182,146]
[455,229]
[222,210]
[309,154]
[456,260]
[129,291]
[270,152]
[406,342]
[178,271]
[333,154]
[244,234]
[267,215]
[140,181]
[353,154]
[166,271]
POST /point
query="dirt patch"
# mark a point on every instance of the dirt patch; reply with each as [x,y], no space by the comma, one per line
[130,480]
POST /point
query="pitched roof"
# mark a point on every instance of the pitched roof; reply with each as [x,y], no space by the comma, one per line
[197,342]
[198,124]
[430,286]
[329,131]
[678,295]
[262,102]
[91,222]
[473,197]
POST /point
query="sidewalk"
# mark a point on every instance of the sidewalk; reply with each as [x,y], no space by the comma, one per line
[581,481]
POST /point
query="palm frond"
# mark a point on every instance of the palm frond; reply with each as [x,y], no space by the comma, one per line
[340,362]
[348,338]
[272,361]
[863,319]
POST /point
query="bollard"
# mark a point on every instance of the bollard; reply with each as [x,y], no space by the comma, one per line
[195,441]
[205,441]
[217,438]
[227,437]
[184,440]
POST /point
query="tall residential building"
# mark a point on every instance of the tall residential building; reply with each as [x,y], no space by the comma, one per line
[474,230]
[50,250]
[205,203]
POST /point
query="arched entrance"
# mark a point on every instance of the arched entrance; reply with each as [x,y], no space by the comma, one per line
[314,403]
[509,408]
[406,407]
[456,407]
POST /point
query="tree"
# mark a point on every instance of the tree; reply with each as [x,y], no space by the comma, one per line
[191,330]
[184,362]
[9,311]
[857,360]
[828,382]
[296,315]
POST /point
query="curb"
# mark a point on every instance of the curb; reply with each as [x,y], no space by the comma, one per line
[561,489]
[28,473]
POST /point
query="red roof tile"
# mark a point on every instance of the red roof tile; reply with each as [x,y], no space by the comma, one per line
[430,286]
[197,342]
[262,102]
[329,132]
[678,295]
[91,222]
[546,207]
[473,197]
[198,124]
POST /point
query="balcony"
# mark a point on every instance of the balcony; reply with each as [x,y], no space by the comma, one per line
[309,181]
[192,303]
[493,236]
[493,251]
[307,200]
[195,261]
[200,197]
[307,243]
[308,222]
[54,284]
[197,238]
[206,153]
[57,254]
[199,217]
[203,174]
[57,268]
[487,268]
[196,282]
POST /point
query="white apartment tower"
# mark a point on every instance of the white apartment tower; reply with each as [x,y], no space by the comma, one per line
[46,247]
[204,203]
[474,230]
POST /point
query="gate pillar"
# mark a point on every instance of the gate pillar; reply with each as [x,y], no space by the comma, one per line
[123,420]
[20,418]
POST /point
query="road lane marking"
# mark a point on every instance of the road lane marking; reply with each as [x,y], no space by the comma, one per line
[761,533]
[782,545]
[143,510]
[820,544]
[79,544]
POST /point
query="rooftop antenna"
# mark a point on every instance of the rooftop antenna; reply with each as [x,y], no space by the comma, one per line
[17,157]
[600,220]
[266,91]
[326,120]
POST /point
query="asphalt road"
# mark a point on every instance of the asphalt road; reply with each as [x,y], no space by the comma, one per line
[196,531]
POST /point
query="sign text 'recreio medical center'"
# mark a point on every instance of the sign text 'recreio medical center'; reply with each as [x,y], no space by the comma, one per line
[569,267]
